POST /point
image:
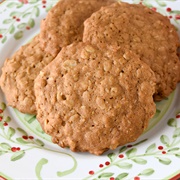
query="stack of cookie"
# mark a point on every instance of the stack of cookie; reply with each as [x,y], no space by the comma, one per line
[93,73]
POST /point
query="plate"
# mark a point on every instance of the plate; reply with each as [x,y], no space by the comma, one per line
[26,152]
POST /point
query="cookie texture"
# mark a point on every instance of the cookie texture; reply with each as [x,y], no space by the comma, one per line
[94,100]
[18,74]
[64,23]
[143,31]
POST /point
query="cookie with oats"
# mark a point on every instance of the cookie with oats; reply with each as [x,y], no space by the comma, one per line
[64,23]
[94,100]
[18,74]
[143,31]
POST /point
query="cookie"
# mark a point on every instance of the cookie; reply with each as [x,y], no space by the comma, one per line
[143,31]
[18,74]
[92,100]
[64,23]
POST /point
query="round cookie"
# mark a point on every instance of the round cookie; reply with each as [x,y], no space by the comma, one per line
[93,100]
[64,23]
[145,32]
[18,74]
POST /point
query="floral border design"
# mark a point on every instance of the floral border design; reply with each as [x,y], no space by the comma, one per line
[23,144]
[124,159]
[162,7]
[128,155]
[20,20]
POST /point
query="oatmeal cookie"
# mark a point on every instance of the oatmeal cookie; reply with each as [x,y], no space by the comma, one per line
[94,100]
[143,31]
[18,74]
[64,23]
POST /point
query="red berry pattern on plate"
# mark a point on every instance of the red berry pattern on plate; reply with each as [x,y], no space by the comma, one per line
[18,143]
[20,21]
[128,155]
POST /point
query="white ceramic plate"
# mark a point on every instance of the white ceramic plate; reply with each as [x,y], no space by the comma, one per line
[26,152]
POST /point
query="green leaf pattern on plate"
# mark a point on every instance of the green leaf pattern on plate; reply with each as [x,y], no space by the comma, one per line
[163,160]
[139,160]
[105,175]
[128,155]
[18,35]
[123,165]
[131,153]
[151,148]
[176,132]
[10,133]
[17,155]
[172,122]
[121,176]
[5,146]
[24,143]
[112,156]
[146,172]
[17,142]
[39,167]
[165,140]
[122,149]
[32,12]
[23,19]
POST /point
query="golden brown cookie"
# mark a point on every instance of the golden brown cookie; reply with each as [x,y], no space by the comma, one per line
[18,74]
[64,23]
[94,100]
[143,31]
